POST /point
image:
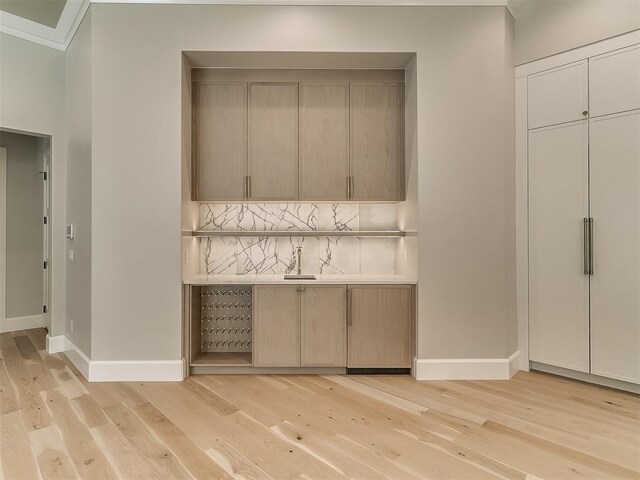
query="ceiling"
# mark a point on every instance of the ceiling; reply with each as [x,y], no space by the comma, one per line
[54,22]
[46,12]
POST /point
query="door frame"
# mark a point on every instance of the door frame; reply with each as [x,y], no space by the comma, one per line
[522,169]
[3,235]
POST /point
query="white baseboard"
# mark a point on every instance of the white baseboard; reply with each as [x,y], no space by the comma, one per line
[117,371]
[136,371]
[22,323]
[466,368]
[57,344]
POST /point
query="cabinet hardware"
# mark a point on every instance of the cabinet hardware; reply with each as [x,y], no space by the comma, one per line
[348,186]
[349,309]
[246,186]
[585,235]
[351,190]
[249,186]
[301,289]
[586,112]
[590,246]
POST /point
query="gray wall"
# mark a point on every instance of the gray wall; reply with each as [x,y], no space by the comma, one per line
[78,211]
[547,27]
[24,281]
[465,176]
[32,93]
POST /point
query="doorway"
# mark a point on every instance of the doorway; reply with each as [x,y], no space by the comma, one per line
[24,231]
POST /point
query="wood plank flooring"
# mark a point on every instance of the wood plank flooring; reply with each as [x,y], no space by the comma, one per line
[55,425]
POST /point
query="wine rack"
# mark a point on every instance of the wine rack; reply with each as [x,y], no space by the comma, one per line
[225,319]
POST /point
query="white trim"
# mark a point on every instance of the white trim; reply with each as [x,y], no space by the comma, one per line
[580,53]
[57,344]
[22,323]
[59,37]
[522,222]
[586,377]
[136,371]
[118,370]
[466,368]
[3,234]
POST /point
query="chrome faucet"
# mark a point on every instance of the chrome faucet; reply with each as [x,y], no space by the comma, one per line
[299,262]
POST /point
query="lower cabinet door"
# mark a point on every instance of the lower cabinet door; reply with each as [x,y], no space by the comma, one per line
[276,326]
[379,326]
[324,326]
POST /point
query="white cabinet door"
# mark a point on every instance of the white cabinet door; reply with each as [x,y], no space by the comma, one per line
[614,81]
[558,95]
[615,283]
[558,286]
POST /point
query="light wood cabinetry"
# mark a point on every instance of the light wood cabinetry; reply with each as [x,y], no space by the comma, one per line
[276,327]
[558,205]
[377,142]
[324,141]
[558,95]
[337,138]
[273,141]
[614,81]
[324,326]
[220,134]
[615,283]
[380,327]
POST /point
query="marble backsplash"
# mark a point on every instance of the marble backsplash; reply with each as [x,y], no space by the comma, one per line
[320,255]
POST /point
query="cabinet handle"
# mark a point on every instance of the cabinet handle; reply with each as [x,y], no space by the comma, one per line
[348,186]
[249,186]
[585,234]
[246,186]
[351,192]
[349,309]
[301,289]
[590,246]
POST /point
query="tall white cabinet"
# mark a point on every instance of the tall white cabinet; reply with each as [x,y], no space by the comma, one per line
[583,148]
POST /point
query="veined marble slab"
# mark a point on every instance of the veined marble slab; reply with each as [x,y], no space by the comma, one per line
[276,255]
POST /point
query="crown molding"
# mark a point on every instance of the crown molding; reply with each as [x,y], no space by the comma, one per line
[59,37]
[74,11]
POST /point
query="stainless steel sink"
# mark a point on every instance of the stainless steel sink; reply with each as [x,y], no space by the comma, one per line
[299,277]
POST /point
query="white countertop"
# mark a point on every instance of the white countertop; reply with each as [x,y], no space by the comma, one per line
[272,279]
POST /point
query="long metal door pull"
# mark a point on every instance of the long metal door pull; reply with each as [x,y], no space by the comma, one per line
[585,234]
[590,245]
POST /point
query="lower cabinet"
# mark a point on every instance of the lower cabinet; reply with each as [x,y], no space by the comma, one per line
[300,326]
[380,326]
[312,326]
[276,328]
[324,326]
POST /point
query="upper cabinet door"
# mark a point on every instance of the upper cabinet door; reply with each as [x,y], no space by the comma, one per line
[615,283]
[324,141]
[273,141]
[220,132]
[614,81]
[377,142]
[558,95]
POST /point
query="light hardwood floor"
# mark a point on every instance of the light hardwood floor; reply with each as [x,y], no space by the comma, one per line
[57,425]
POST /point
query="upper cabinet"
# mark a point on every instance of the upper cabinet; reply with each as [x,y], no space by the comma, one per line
[558,95]
[614,81]
[220,137]
[328,136]
[377,142]
[273,141]
[324,141]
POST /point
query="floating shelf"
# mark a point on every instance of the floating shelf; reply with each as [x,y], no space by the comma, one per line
[298,233]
